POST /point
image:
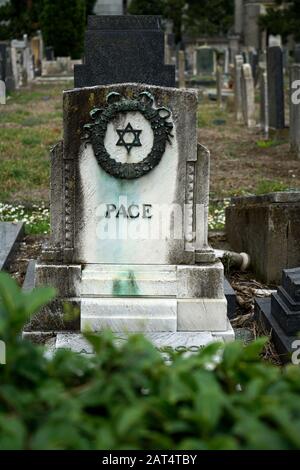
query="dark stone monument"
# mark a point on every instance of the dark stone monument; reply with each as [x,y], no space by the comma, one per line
[297,53]
[6,73]
[49,53]
[2,61]
[275,87]
[124,49]
[281,313]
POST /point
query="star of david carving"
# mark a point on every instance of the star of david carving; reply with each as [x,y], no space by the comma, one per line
[135,134]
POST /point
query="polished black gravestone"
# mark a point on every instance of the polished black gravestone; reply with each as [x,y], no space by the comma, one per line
[6,73]
[281,313]
[275,87]
[2,61]
[297,53]
[123,49]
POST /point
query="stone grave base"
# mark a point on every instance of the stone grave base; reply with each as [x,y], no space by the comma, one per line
[173,304]
[283,342]
[190,342]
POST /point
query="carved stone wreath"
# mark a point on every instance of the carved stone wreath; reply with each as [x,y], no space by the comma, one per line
[158,119]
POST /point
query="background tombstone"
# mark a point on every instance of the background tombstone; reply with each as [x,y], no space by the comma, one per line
[37,48]
[295,109]
[264,105]
[22,61]
[275,87]
[297,53]
[3,58]
[248,96]
[274,40]
[237,86]
[220,80]
[111,40]
[234,46]
[49,53]
[181,69]
[205,61]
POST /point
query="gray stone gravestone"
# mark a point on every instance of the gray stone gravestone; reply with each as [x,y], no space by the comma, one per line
[49,53]
[248,96]
[2,61]
[181,69]
[275,87]
[205,61]
[297,53]
[129,211]
[135,43]
[6,73]
[264,105]
[295,109]
[238,86]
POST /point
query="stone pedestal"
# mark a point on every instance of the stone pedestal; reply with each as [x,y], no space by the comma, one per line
[129,211]
[281,313]
[267,228]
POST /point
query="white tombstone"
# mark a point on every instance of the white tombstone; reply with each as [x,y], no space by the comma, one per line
[129,217]
[238,62]
[248,96]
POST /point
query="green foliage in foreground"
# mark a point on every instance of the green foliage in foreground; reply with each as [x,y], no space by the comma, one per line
[128,398]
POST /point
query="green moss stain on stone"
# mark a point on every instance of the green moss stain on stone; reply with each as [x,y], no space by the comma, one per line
[125,285]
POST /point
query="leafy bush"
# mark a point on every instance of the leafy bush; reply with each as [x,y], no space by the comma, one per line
[128,397]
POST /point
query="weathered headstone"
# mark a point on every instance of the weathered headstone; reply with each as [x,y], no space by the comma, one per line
[22,61]
[248,96]
[6,73]
[297,53]
[37,48]
[205,61]
[181,69]
[274,40]
[129,216]
[49,53]
[2,61]
[251,28]
[295,109]
[281,314]
[238,86]
[135,43]
[234,45]
[264,105]
[220,80]
[60,67]
[275,87]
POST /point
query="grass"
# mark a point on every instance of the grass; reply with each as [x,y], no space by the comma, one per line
[30,124]
[242,161]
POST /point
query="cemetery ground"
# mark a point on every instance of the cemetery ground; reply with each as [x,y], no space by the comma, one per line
[243,162]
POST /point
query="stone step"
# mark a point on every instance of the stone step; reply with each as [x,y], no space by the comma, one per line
[129,280]
[10,234]
[191,342]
